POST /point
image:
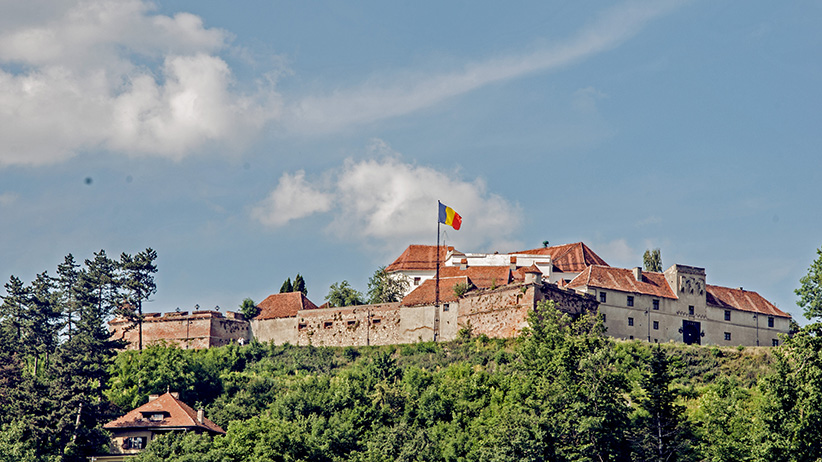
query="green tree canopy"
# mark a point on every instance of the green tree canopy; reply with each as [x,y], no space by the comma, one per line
[810,289]
[299,284]
[248,308]
[652,260]
[286,287]
[384,288]
[342,294]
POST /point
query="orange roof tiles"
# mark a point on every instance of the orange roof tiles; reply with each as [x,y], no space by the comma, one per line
[425,294]
[480,276]
[176,414]
[744,300]
[284,305]
[519,273]
[568,258]
[622,279]
[419,258]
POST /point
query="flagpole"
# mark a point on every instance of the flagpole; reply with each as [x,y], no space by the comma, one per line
[437,283]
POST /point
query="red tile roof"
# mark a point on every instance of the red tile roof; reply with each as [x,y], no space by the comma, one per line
[568,258]
[622,279]
[283,305]
[177,414]
[419,258]
[519,273]
[425,293]
[744,300]
[480,276]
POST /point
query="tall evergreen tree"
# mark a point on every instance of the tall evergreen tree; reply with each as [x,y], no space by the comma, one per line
[299,285]
[67,274]
[137,282]
[43,325]
[661,431]
[286,287]
[13,309]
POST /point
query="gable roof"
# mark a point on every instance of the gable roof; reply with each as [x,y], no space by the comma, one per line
[568,258]
[743,300]
[425,293]
[480,276]
[622,279]
[284,305]
[419,258]
[177,414]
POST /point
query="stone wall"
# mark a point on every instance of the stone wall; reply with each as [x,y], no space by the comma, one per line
[200,329]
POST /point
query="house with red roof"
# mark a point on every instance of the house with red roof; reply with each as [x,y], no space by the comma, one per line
[160,415]
[277,317]
[677,305]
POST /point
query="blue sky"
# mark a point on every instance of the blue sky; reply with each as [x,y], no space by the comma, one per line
[247,142]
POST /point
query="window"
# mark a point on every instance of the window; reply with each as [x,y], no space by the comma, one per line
[630,321]
[602,297]
[770,321]
[351,323]
[445,307]
[775,342]
[375,321]
[691,310]
[328,324]
[134,442]
[727,315]
[632,337]
[630,300]
[603,318]
[156,417]
[416,281]
[656,325]
[656,340]
[656,305]
[727,336]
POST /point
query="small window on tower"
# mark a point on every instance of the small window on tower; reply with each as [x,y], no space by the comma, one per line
[656,305]
[691,310]
[416,281]
[770,321]
[602,297]
[630,321]
[656,325]
[727,336]
[727,315]
[630,300]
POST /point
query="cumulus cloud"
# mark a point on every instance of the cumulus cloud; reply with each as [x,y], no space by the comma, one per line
[293,198]
[112,74]
[388,201]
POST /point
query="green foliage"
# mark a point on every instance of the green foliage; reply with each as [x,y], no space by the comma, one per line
[792,410]
[286,287]
[299,285]
[810,289]
[652,260]
[461,288]
[248,308]
[385,288]
[342,294]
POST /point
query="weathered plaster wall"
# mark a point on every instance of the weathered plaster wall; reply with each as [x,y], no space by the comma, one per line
[200,329]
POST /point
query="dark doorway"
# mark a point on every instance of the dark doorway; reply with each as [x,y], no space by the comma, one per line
[690,332]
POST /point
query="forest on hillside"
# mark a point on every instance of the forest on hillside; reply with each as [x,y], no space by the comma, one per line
[563,391]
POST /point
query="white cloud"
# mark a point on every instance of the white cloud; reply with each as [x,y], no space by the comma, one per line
[389,202]
[398,95]
[87,82]
[619,253]
[293,198]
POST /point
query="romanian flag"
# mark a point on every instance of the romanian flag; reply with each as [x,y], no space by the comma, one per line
[449,217]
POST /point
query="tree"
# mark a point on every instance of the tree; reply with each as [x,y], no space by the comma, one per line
[137,280]
[342,294]
[43,315]
[652,260]
[286,287]
[248,308]
[810,290]
[13,309]
[299,285]
[661,430]
[384,288]
[66,280]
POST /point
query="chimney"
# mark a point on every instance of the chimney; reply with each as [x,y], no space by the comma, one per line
[513,263]
[533,277]
[200,415]
[638,273]
[152,397]
[464,264]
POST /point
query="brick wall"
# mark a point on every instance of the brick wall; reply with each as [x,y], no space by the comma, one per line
[200,329]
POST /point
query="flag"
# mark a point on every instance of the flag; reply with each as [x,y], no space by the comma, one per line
[449,217]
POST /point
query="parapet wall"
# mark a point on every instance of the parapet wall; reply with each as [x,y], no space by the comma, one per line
[200,329]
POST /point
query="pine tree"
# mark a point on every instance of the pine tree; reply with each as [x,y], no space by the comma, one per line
[66,280]
[13,309]
[286,287]
[43,313]
[299,285]
[137,282]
